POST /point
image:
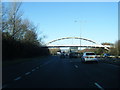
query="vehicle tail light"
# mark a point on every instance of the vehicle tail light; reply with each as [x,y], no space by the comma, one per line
[86,57]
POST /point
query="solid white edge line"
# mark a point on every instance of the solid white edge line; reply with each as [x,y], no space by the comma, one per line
[17,78]
[98,86]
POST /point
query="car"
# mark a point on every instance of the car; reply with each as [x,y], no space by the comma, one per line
[89,56]
[80,55]
[106,55]
[73,55]
[98,56]
[62,55]
[58,53]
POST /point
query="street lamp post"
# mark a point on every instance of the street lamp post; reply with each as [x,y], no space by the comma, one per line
[80,33]
[80,37]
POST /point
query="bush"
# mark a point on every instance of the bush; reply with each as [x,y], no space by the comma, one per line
[12,49]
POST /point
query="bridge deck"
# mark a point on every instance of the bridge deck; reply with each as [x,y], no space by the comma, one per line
[77,46]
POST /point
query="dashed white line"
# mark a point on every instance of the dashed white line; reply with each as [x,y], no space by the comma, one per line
[33,70]
[18,78]
[27,73]
[45,64]
[37,67]
[76,66]
[98,86]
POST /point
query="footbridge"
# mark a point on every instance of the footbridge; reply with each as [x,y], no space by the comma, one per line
[96,45]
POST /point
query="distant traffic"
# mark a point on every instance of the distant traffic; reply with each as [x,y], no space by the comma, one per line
[84,57]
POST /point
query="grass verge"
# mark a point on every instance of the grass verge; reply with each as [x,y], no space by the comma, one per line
[18,61]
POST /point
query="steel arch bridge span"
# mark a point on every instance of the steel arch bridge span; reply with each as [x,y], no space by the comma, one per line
[71,38]
[76,38]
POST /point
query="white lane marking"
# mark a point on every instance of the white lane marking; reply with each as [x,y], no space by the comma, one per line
[45,63]
[98,86]
[33,70]
[27,73]
[37,67]
[18,78]
[76,66]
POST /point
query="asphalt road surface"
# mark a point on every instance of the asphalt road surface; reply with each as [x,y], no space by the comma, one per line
[54,72]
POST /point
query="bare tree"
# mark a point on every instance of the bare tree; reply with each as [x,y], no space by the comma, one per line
[14,18]
[31,37]
[4,18]
[18,28]
[117,46]
[116,49]
[31,34]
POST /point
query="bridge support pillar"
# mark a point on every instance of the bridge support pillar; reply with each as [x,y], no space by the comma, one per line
[73,49]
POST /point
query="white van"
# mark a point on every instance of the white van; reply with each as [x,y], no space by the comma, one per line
[89,56]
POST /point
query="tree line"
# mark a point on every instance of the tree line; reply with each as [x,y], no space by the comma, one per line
[19,36]
[113,50]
